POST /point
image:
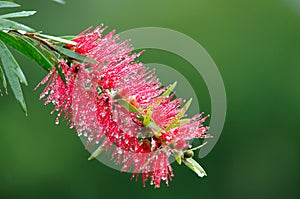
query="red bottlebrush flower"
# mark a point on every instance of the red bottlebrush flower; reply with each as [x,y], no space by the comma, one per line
[57,91]
[122,104]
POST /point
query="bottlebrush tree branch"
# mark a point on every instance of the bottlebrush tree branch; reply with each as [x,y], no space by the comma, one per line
[106,94]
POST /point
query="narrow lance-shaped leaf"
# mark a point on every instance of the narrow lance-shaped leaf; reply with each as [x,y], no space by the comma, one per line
[177,155]
[156,129]
[62,40]
[6,24]
[75,55]
[49,54]
[180,122]
[68,37]
[166,93]
[128,106]
[131,108]
[61,74]
[26,48]
[17,14]
[96,152]
[10,66]
[184,109]
[16,68]
[3,79]
[6,4]
[179,115]
[194,166]
[169,90]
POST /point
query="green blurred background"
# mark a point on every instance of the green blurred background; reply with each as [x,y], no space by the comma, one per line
[256,46]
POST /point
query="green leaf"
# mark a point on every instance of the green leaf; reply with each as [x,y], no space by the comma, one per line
[75,55]
[194,166]
[68,37]
[11,66]
[166,94]
[96,152]
[26,48]
[17,70]
[61,74]
[128,106]
[62,40]
[49,54]
[184,108]
[156,129]
[180,122]
[3,79]
[169,90]
[6,24]
[18,14]
[177,155]
[181,113]
[5,4]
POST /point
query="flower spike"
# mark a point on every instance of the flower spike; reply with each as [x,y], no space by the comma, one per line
[121,106]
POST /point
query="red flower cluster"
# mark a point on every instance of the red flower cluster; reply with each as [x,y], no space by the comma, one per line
[119,104]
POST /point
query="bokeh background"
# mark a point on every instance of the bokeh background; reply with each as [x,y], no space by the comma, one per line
[256,46]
